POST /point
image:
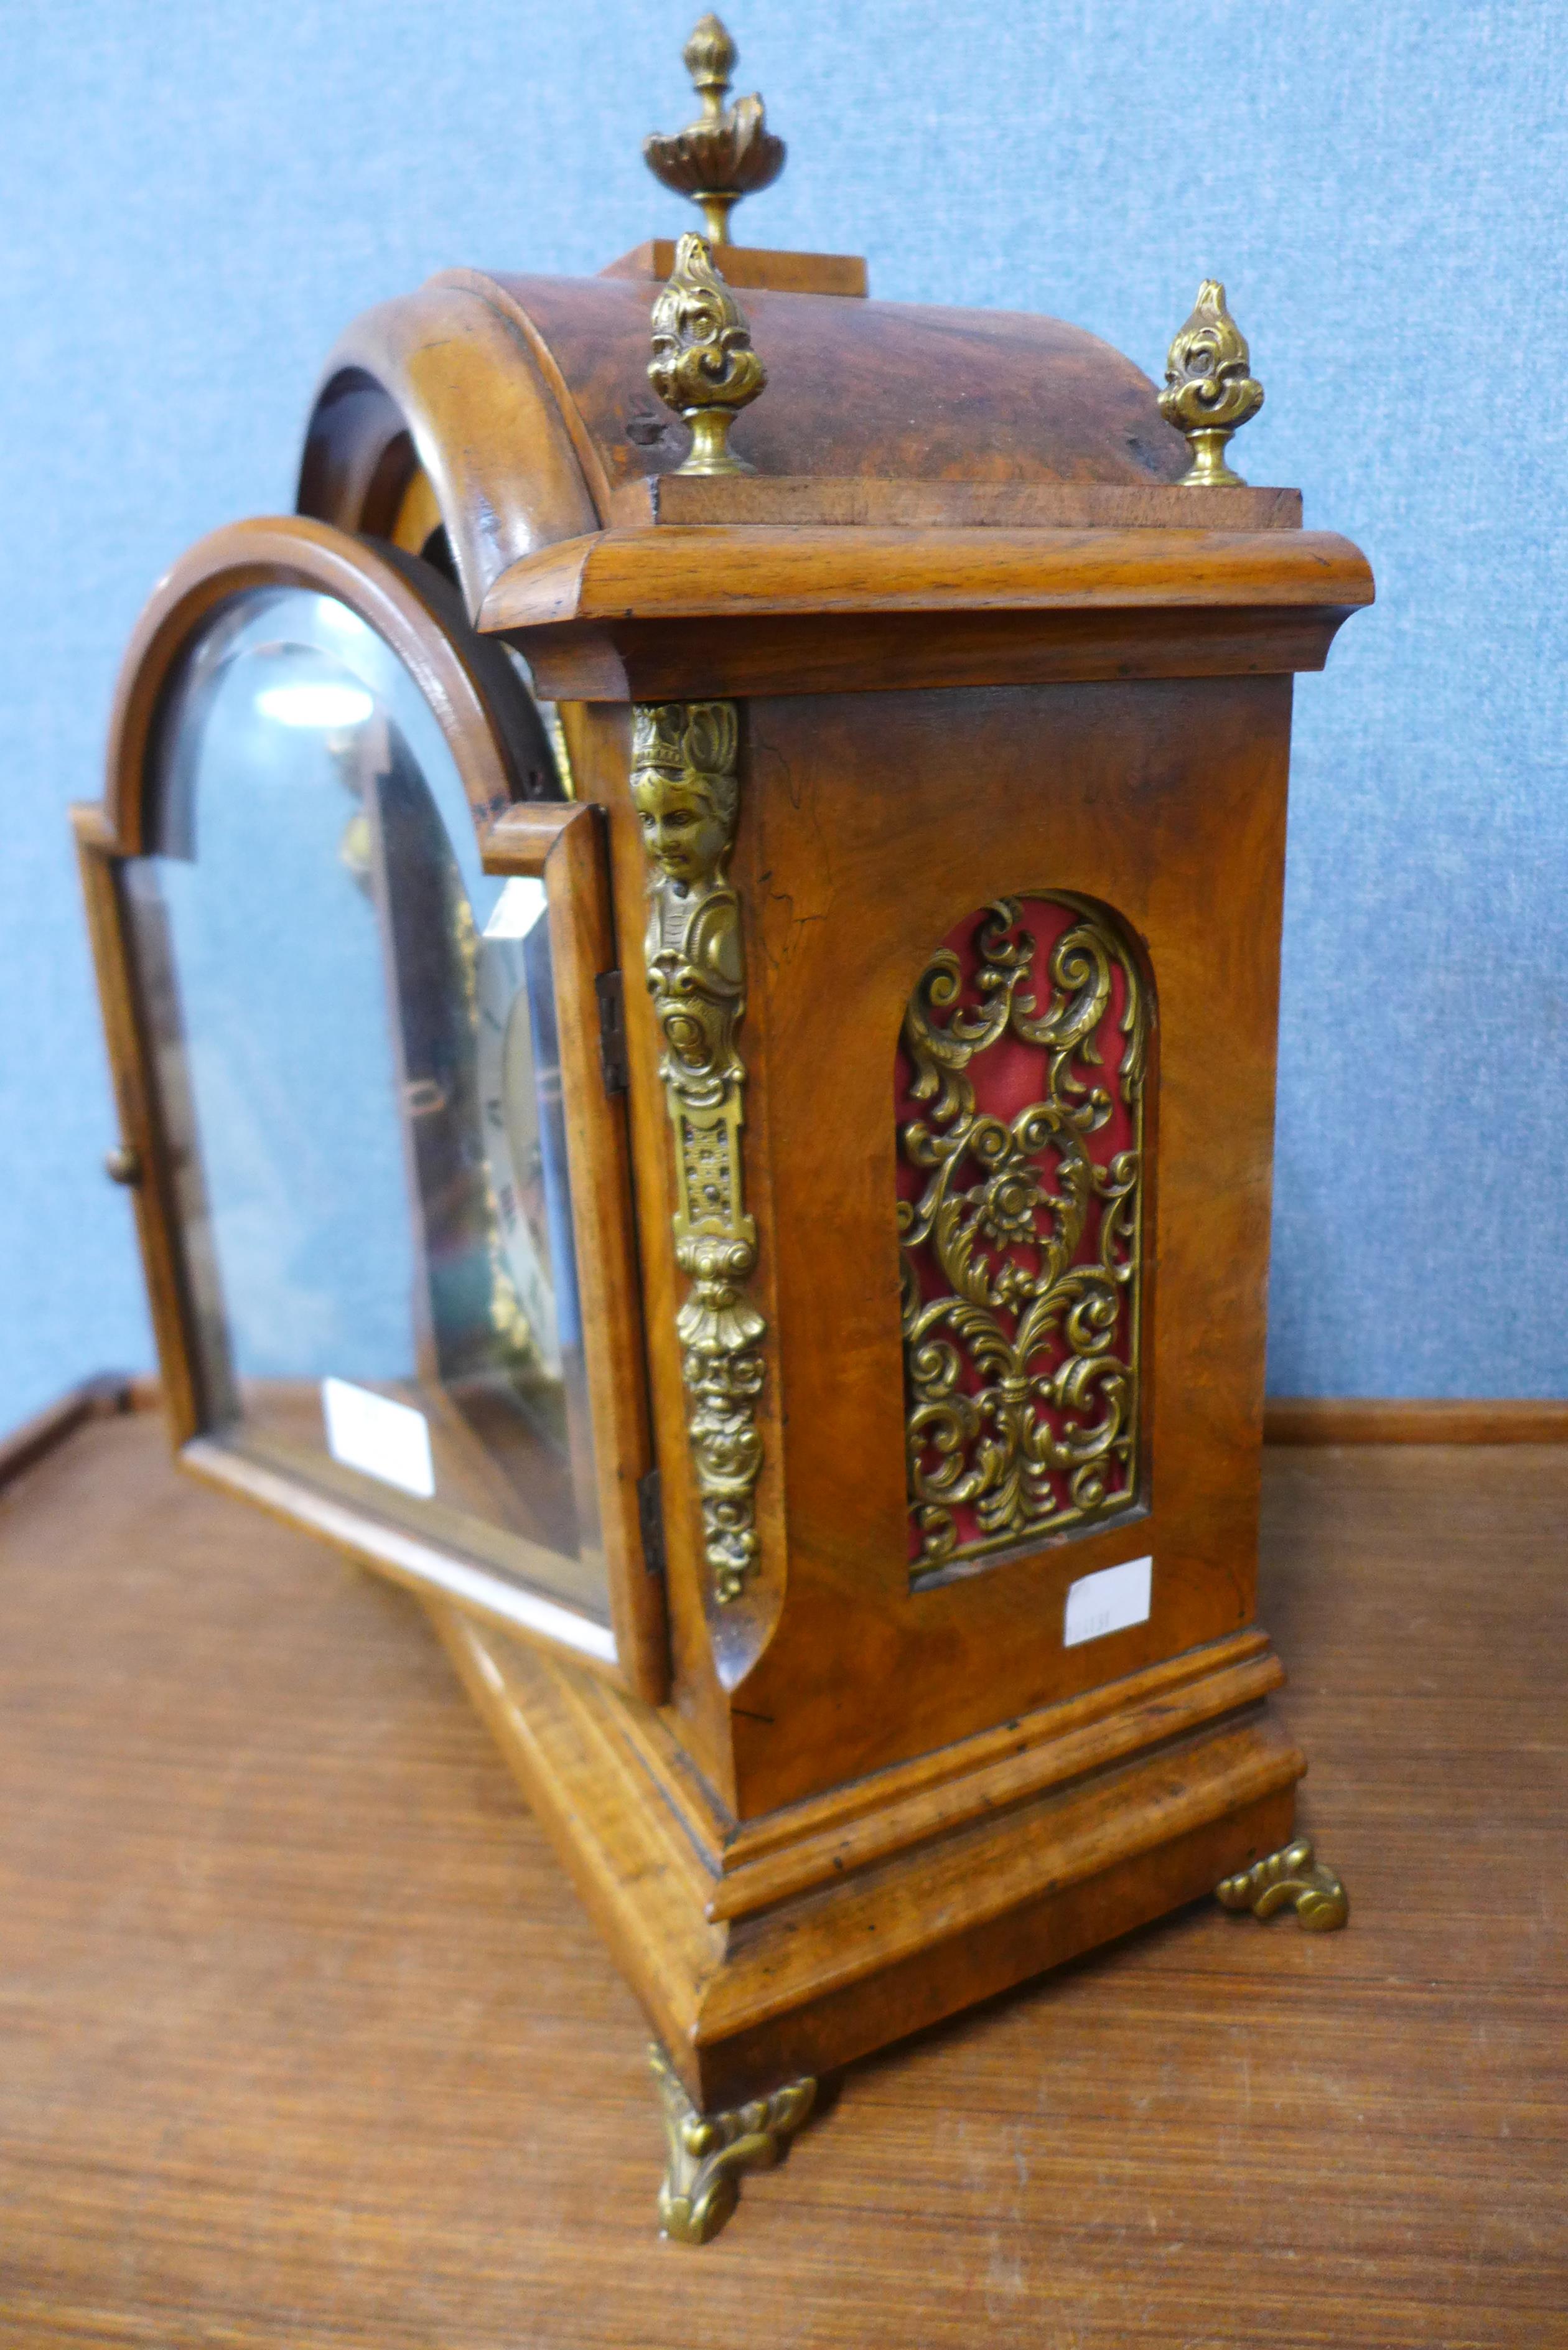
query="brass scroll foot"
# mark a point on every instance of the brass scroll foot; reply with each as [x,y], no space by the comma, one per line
[1292,1876]
[709,2151]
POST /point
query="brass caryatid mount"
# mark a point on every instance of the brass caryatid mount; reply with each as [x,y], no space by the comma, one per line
[704,365]
[729,152]
[1208,392]
[686,791]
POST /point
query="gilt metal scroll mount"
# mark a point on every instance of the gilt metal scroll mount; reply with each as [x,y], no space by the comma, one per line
[1289,1879]
[686,792]
[1210,390]
[707,2152]
[704,365]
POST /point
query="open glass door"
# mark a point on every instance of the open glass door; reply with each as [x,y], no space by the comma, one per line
[364,1069]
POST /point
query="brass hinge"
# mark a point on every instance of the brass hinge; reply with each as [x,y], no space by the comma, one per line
[650,1520]
[613,1061]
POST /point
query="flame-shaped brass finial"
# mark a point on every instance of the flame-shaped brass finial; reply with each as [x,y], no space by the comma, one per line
[1209,390]
[704,365]
[730,151]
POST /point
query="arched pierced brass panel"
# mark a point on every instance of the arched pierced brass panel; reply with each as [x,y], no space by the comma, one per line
[1019,1108]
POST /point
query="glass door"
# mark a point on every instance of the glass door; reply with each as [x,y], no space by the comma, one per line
[353,1038]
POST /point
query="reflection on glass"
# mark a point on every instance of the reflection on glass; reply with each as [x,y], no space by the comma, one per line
[355,1031]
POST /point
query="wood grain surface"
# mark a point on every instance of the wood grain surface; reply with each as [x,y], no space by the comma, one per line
[699,571]
[303,2041]
[531,408]
[95,1399]
[1166,803]
[882,388]
[748,608]
[860,503]
[1415,1420]
[749,265]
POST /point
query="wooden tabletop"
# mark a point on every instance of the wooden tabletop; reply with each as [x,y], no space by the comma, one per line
[304,2040]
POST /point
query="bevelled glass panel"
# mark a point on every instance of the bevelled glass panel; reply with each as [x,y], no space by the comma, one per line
[357,1059]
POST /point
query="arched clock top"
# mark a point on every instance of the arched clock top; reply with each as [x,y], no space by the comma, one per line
[492,727]
[445,382]
[526,403]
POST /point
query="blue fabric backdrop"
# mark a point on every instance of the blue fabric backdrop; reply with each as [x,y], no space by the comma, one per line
[195,200]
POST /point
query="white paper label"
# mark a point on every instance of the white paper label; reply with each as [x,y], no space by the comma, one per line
[1107,1602]
[387,1440]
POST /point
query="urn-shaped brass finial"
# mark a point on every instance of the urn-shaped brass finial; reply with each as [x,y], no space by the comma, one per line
[730,151]
[703,364]
[1209,390]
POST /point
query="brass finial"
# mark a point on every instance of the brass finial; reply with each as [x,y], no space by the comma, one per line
[704,365]
[1207,388]
[730,151]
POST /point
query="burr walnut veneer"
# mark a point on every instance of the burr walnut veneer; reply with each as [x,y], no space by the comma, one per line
[845,1745]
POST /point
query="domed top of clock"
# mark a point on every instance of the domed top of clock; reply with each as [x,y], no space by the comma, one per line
[545,409]
[729,151]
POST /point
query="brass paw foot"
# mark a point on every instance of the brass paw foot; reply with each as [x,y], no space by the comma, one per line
[709,2151]
[1292,1876]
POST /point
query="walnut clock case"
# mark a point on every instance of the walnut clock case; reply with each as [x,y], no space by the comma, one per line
[689,953]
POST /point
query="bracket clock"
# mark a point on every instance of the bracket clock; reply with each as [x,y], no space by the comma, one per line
[690,952]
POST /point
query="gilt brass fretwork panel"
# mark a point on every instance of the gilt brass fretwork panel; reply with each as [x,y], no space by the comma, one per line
[1020,1101]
